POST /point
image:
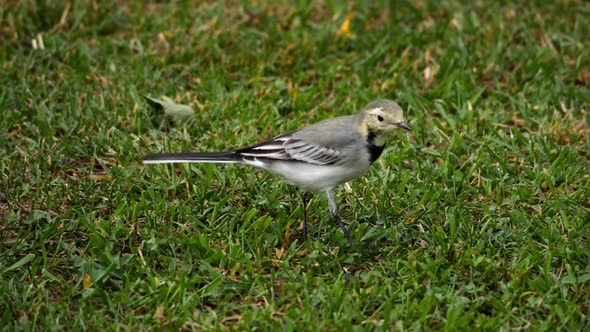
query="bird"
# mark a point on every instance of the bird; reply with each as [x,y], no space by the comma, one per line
[316,158]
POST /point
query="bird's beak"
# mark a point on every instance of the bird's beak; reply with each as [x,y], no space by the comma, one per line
[404,125]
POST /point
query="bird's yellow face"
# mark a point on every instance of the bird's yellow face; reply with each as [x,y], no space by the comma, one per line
[383,116]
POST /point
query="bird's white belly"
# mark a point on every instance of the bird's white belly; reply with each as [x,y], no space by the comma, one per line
[317,178]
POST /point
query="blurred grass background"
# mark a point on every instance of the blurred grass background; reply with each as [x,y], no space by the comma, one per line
[479,220]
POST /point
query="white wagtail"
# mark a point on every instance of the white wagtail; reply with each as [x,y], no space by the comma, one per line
[316,158]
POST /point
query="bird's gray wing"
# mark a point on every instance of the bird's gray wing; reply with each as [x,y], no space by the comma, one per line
[330,142]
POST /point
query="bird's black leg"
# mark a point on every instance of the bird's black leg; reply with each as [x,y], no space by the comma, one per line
[305,199]
[334,210]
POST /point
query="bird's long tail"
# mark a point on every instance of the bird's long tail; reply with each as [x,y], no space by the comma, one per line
[193,157]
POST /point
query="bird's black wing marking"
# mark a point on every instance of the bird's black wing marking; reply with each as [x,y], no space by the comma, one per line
[285,147]
[271,149]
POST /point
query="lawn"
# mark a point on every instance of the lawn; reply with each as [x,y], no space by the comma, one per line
[478,219]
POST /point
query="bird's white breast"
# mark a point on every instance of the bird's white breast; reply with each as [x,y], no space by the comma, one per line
[318,178]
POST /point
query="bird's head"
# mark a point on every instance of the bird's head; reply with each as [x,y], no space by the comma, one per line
[382,116]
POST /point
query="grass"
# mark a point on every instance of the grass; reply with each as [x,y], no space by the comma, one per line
[479,220]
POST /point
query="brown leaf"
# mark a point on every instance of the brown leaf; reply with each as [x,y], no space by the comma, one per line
[429,73]
[583,78]
[517,122]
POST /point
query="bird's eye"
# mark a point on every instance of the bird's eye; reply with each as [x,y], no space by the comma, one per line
[380,118]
